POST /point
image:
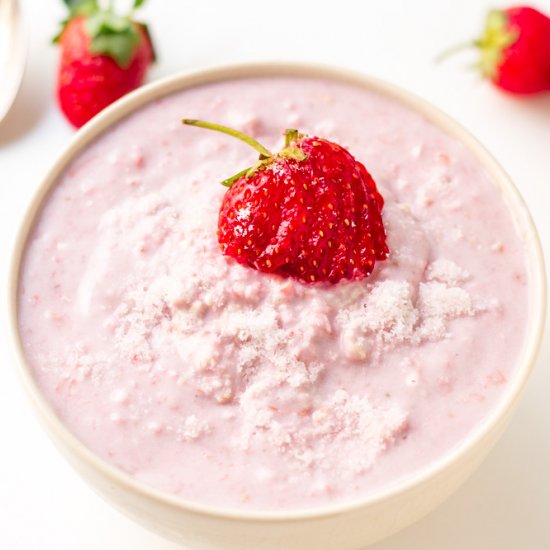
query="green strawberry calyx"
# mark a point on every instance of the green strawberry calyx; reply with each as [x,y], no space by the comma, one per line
[110,34]
[496,38]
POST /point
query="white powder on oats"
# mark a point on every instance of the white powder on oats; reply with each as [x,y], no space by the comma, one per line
[246,343]
[445,271]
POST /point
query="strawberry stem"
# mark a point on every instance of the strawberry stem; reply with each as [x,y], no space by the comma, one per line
[455,49]
[264,153]
[290,135]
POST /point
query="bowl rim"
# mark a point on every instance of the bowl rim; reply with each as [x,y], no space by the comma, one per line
[198,77]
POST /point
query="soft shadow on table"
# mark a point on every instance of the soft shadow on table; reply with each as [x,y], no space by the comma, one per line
[505,504]
[28,108]
[537,106]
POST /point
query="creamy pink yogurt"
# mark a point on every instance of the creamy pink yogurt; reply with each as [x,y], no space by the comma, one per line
[231,387]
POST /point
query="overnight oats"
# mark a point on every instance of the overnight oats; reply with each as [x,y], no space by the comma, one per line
[231,386]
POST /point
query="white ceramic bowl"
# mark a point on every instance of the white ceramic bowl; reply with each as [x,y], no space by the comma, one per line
[343,526]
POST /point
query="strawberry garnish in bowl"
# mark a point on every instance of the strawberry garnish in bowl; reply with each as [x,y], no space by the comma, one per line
[103,57]
[310,211]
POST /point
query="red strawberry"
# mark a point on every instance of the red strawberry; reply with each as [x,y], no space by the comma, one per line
[515,50]
[103,57]
[311,211]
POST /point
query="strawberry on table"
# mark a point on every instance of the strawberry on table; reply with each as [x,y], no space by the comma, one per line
[310,211]
[515,50]
[103,57]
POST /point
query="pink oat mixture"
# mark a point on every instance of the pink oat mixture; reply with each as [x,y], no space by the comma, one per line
[235,388]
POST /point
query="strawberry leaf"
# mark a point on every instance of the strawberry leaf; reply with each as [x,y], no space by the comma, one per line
[112,35]
[138,4]
[497,37]
[82,7]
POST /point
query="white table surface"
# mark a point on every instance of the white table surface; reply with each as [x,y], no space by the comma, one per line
[506,504]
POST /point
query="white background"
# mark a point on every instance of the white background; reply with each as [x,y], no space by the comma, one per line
[506,504]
